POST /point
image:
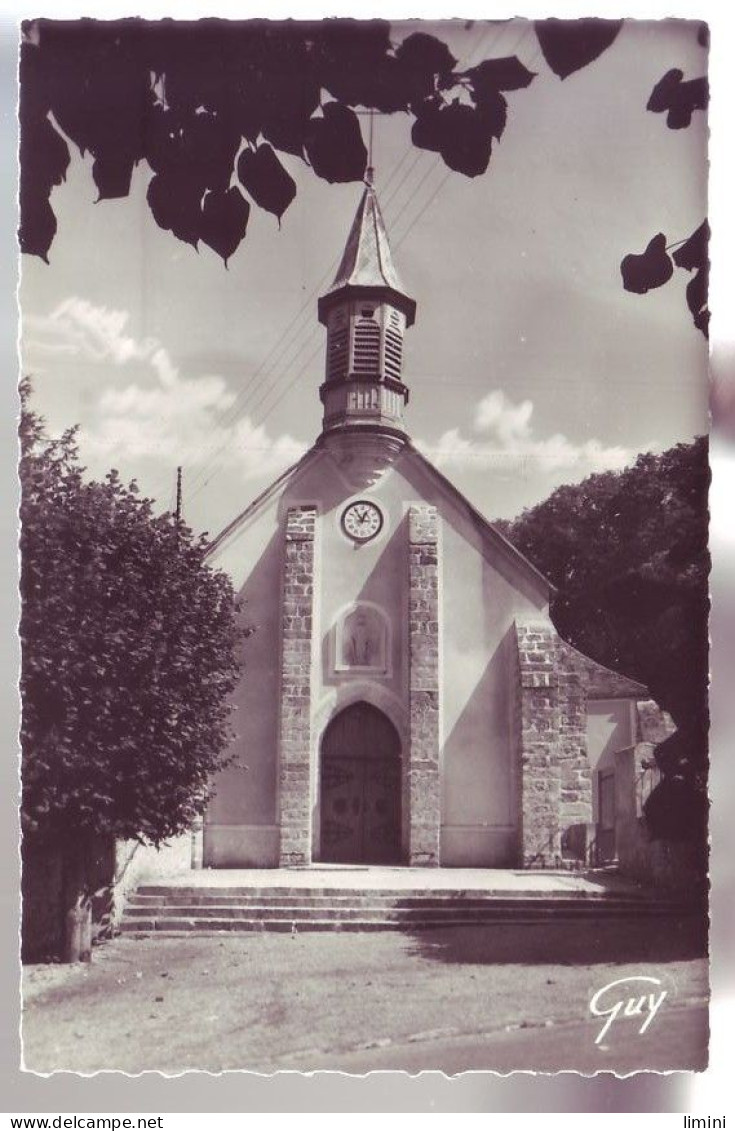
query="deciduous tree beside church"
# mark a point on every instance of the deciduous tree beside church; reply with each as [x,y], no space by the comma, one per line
[129,653]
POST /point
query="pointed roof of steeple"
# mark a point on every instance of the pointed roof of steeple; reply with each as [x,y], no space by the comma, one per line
[367,261]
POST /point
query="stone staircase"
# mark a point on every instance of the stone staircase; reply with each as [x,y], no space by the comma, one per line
[175,910]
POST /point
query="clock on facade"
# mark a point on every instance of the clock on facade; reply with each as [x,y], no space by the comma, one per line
[362,520]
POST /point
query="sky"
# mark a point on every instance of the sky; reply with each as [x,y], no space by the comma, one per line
[529,365]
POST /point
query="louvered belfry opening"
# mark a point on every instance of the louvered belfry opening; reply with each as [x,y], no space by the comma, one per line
[338,347]
[393,347]
[367,346]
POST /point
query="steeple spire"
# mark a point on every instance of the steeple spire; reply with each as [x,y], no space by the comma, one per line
[366,311]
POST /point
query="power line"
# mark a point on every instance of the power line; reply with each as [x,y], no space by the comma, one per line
[286,339]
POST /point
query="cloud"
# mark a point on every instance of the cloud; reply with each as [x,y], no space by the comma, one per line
[502,436]
[186,422]
[94,333]
[159,415]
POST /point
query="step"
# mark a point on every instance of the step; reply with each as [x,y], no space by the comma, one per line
[148,903]
[182,926]
[489,909]
[192,892]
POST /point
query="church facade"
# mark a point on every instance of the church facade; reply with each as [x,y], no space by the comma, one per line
[405,698]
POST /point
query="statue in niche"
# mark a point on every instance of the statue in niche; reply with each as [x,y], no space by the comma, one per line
[363,639]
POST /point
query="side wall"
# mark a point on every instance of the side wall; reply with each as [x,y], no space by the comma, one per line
[556,792]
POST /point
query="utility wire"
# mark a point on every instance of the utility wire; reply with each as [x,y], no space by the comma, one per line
[286,341]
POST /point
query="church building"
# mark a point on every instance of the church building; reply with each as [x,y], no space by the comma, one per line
[405,699]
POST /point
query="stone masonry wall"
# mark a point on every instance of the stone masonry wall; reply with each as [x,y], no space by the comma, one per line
[555,778]
[422,787]
[295,705]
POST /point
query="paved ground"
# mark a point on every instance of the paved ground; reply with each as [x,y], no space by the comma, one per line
[369,877]
[504,997]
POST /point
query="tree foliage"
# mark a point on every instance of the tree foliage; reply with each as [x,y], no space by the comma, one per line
[129,652]
[628,554]
[208,105]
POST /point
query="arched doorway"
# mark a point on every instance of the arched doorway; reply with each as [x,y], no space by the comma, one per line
[360,789]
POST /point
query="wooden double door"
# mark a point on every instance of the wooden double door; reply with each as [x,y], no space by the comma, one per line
[360,791]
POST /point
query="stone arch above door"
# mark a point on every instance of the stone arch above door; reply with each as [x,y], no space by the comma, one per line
[360,788]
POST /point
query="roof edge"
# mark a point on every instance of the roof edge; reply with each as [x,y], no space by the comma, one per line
[260,500]
[500,540]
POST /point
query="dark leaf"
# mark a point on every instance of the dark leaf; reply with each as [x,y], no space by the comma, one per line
[420,61]
[697,288]
[692,96]
[664,91]
[33,103]
[426,132]
[569,45]
[162,131]
[466,141]
[37,224]
[642,273]
[209,145]
[176,205]
[391,87]
[224,221]
[426,55]
[679,99]
[288,97]
[491,75]
[334,145]
[355,64]
[694,253]
[198,147]
[112,176]
[703,35]
[44,155]
[288,136]
[265,178]
[493,109]
[697,292]
[98,84]
[461,134]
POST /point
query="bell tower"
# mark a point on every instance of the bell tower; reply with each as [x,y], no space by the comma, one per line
[366,312]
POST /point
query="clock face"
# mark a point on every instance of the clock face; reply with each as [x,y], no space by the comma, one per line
[361,521]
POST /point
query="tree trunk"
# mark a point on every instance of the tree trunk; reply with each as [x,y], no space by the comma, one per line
[77,901]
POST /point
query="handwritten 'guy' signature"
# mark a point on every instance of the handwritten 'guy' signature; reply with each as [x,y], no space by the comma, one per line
[610,1001]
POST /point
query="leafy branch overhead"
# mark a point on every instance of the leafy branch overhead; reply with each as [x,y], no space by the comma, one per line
[209,105]
[654,267]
